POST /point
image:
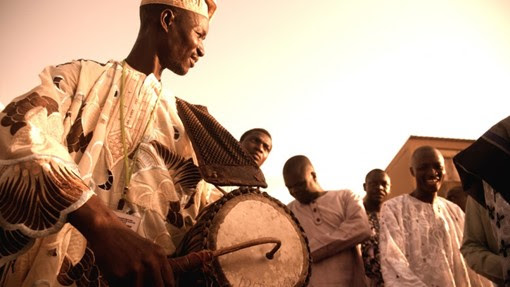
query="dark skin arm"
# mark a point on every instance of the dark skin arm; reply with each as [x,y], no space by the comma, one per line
[124,257]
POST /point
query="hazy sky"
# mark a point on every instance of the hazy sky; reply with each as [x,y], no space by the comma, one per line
[345,82]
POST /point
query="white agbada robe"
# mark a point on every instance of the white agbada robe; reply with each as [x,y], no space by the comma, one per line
[420,242]
[62,142]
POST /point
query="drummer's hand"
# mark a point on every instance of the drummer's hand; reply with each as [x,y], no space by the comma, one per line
[124,257]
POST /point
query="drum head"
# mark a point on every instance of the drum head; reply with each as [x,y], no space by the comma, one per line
[252,216]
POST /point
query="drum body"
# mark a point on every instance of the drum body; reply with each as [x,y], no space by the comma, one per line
[240,216]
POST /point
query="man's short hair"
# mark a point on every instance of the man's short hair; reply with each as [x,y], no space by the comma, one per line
[375,171]
[246,133]
[295,162]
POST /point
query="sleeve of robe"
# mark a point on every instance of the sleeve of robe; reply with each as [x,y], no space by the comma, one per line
[394,264]
[352,231]
[478,240]
[39,181]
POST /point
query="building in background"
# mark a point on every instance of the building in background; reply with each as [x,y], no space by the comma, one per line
[401,179]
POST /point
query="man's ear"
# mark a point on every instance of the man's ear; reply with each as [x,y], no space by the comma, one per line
[314,175]
[365,187]
[167,17]
[412,171]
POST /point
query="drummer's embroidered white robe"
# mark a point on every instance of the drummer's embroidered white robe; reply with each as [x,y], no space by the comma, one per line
[335,224]
[61,143]
[420,244]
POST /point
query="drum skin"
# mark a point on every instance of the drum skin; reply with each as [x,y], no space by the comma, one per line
[243,215]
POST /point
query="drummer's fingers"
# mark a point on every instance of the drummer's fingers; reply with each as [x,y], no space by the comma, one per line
[167,274]
[139,279]
[156,280]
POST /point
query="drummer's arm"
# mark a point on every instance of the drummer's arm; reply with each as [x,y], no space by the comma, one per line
[352,231]
[123,256]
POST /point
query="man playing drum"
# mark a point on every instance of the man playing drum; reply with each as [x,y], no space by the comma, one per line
[97,179]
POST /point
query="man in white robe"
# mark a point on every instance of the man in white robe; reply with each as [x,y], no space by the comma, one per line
[421,233]
[95,146]
[335,223]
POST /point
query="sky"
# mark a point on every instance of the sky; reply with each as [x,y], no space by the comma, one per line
[344,82]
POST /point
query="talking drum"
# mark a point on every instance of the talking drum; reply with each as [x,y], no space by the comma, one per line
[238,218]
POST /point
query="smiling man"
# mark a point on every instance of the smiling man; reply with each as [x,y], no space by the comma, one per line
[98,180]
[421,233]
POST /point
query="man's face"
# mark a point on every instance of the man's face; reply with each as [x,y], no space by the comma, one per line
[182,45]
[301,183]
[377,186]
[258,145]
[428,170]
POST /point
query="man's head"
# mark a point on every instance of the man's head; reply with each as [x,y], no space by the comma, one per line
[377,185]
[301,179]
[258,143]
[427,167]
[176,30]
[457,195]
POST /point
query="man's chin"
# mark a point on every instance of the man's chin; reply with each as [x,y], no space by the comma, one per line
[432,189]
[181,71]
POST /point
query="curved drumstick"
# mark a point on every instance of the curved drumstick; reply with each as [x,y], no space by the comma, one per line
[250,243]
[196,259]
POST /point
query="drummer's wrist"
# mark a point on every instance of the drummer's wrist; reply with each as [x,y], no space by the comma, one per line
[91,217]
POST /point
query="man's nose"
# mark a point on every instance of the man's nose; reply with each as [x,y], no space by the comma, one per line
[201,49]
[433,172]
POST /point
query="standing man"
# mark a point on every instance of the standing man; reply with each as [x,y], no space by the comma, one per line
[334,222]
[479,245]
[377,186]
[484,167]
[421,232]
[97,179]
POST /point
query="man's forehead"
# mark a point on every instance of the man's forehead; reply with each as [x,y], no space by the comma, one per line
[381,175]
[428,156]
[259,134]
[299,170]
[294,178]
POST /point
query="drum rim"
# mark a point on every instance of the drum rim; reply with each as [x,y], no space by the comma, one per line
[207,216]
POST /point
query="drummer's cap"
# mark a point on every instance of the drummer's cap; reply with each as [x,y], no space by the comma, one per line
[202,7]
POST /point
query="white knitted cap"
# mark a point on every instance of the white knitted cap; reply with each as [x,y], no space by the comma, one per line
[202,7]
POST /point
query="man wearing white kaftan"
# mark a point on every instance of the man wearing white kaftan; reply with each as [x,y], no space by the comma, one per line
[68,148]
[47,148]
[335,223]
[420,244]
[421,233]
